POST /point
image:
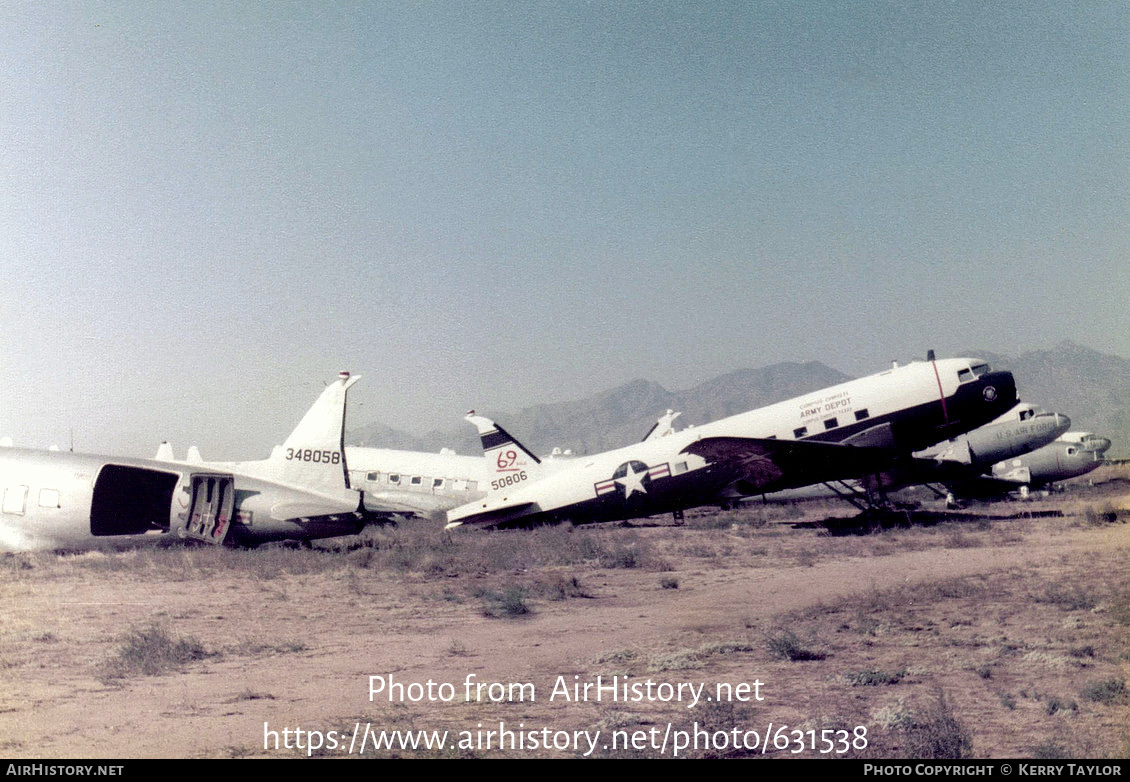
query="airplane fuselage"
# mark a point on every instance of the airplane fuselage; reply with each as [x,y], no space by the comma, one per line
[1065,458]
[427,484]
[904,408]
[66,501]
[61,500]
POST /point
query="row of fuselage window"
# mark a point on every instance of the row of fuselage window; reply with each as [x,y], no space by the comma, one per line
[829,424]
[420,482]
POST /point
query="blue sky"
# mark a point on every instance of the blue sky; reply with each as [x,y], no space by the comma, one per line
[208,209]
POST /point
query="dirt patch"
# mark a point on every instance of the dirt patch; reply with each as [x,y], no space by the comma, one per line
[979,638]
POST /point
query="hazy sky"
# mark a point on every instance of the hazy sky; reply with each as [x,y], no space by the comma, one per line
[208,209]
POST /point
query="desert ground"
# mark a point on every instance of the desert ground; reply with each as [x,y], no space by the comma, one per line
[1002,632]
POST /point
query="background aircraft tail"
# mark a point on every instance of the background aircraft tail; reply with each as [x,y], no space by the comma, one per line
[509,463]
[313,457]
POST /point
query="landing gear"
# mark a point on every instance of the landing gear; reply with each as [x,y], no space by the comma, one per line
[864,495]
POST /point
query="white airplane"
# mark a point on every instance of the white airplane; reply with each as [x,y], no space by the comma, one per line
[61,500]
[394,483]
[849,430]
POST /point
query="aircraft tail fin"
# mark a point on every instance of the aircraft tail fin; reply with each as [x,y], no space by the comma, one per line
[313,457]
[165,452]
[662,427]
[508,461]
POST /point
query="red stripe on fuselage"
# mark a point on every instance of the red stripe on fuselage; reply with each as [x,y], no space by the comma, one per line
[941,393]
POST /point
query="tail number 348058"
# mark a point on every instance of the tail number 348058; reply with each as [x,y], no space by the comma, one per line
[309,455]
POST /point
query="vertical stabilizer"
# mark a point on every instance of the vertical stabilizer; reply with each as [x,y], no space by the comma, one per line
[313,457]
[508,461]
[663,427]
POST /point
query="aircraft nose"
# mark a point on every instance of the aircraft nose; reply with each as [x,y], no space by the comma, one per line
[1096,445]
[1061,423]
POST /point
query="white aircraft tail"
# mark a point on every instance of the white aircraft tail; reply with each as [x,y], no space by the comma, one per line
[508,461]
[313,457]
[663,427]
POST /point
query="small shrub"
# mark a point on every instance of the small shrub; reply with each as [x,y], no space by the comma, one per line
[1049,750]
[509,602]
[669,582]
[1056,704]
[618,657]
[562,588]
[1105,514]
[152,652]
[1067,597]
[1109,692]
[623,556]
[874,678]
[936,734]
[785,645]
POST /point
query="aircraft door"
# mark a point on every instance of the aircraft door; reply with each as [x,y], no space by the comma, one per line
[211,509]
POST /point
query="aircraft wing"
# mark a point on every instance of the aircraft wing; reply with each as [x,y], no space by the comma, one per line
[771,465]
[407,502]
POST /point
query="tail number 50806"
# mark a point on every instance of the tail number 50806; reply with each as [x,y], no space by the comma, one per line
[508,480]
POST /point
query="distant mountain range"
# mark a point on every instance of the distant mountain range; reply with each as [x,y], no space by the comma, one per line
[1092,388]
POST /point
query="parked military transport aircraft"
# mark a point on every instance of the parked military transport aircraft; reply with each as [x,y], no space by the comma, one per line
[1024,428]
[394,483]
[61,500]
[1069,456]
[849,430]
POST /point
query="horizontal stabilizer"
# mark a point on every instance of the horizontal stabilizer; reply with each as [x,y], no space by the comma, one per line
[956,452]
[1017,475]
[494,516]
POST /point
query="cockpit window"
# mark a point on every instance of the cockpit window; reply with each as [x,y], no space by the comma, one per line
[1026,414]
[966,375]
